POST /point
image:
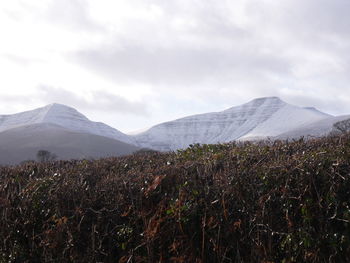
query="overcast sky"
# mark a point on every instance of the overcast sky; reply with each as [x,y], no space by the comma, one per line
[136,63]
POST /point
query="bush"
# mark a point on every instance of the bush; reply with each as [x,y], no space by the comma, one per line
[276,202]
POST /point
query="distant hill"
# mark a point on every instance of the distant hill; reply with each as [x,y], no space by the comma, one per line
[22,143]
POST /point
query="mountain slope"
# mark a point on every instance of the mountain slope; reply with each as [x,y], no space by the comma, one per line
[22,143]
[63,116]
[288,117]
[258,118]
[317,129]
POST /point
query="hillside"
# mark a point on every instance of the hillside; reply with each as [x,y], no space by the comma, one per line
[22,144]
[276,202]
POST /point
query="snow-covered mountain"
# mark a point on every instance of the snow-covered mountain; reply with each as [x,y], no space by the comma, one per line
[63,116]
[61,130]
[257,119]
[260,118]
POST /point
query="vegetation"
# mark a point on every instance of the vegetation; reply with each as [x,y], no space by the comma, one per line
[145,151]
[272,202]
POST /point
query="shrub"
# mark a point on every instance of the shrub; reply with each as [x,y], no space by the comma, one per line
[275,202]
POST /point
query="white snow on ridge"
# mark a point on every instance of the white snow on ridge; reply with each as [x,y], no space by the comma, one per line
[261,118]
[258,118]
[316,129]
[24,118]
[63,116]
[287,118]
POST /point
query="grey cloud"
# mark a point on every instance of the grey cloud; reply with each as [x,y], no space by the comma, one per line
[12,101]
[74,14]
[20,60]
[179,66]
[214,52]
[211,19]
[325,16]
[102,101]
[315,23]
[282,45]
[215,48]
[336,105]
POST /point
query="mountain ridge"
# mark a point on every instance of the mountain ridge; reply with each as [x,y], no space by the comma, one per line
[64,116]
[260,118]
[257,118]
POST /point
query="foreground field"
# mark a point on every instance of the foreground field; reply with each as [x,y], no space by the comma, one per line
[277,202]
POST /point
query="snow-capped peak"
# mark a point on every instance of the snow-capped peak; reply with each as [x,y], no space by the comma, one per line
[56,111]
[258,118]
[63,116]
[261,102]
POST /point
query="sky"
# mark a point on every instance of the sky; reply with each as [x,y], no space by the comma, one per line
[136,63]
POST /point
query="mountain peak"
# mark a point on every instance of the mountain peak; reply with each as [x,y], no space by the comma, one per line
[56,111]
[263,100]
[61,115]
[271,98]
[272,103]
[56,105]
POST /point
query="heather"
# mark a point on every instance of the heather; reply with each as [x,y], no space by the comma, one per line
[239,202]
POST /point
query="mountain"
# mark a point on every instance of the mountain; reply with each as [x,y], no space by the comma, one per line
[69,134]
[22,143]
[61,130]
[63,116]
[257,119]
